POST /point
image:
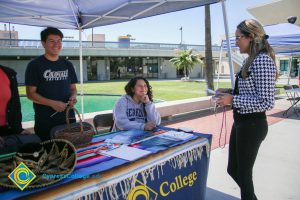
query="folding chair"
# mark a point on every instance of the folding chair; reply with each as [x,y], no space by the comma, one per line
[292,97]
[103,123]
[296,87]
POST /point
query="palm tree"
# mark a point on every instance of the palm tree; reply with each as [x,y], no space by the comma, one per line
[208,50]
[186,60]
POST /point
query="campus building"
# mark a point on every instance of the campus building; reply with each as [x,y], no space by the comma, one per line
[103,61]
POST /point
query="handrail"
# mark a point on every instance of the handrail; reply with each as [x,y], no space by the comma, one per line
[25,43]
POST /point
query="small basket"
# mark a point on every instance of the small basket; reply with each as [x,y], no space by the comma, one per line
[79,133]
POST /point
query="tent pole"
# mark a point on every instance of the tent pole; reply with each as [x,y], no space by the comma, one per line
[228,44]
[220,60]
[298,74]
[81,72]
[289,69]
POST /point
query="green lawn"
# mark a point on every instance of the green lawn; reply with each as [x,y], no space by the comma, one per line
[164,90]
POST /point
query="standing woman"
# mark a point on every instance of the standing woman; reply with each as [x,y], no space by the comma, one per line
[135,109]
[252,96]
[10,106]
[10,111]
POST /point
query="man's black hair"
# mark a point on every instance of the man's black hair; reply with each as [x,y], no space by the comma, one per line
[50,31]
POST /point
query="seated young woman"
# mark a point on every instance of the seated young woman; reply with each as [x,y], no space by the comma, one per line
[135,109]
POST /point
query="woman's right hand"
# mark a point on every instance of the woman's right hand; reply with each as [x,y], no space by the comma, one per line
[224,99]
[149,126]
[224,90]
[145,99]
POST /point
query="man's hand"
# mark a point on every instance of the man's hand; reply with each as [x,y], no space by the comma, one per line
[72,101]
[58,106]
[149,126]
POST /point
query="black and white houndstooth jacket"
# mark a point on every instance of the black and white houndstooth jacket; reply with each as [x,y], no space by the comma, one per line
[256,92]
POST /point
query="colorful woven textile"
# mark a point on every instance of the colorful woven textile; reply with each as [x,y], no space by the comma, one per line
[90,162]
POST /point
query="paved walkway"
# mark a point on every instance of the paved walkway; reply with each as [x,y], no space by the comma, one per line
[276,172]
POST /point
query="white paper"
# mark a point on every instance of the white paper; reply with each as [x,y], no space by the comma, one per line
[119,139]
[176,135]
[130,137]
[126,153]
[211,91]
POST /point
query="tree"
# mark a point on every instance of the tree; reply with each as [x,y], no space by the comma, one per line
[186,60]
[208,50]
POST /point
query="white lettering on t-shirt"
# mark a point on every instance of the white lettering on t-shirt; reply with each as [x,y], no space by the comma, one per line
[55,75]
[135,113]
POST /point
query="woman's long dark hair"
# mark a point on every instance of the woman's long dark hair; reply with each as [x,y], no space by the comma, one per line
[132,82]
[252,28]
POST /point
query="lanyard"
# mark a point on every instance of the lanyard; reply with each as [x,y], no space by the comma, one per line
[224,124]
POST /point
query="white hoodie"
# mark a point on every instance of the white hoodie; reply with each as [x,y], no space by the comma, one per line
[130,115]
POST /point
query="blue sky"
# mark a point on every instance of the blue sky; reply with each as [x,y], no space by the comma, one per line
[165,28]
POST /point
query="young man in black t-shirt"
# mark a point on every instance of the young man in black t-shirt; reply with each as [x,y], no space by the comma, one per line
[50,84]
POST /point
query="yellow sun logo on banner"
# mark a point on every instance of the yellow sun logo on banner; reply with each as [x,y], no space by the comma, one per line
[22,176]
[142,190]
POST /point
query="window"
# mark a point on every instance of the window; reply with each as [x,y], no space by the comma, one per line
[284,65]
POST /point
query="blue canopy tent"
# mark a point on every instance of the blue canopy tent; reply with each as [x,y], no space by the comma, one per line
[284,39]
[84,14]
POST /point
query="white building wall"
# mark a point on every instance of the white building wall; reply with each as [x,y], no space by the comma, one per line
[102,70]
[76,64]
[196,71]
[19,67]
[168,70]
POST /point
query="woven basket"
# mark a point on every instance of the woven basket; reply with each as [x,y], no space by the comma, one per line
[50,161]
[79,133]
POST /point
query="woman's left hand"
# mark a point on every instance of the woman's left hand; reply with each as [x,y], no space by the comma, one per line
[224,99]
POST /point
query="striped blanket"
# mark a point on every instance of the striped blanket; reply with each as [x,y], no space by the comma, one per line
[90,162]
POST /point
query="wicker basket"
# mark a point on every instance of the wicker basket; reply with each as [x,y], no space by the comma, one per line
[50,161]
[79,133]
